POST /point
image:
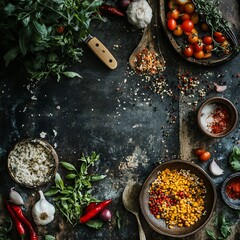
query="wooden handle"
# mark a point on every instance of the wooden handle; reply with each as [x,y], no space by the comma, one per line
[102,53]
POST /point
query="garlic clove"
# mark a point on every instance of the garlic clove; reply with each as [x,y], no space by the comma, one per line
[43,211]
[215,169]
[220,88]
[15,197]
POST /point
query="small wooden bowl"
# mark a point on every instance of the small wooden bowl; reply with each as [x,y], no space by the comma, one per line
[228,107]
[232,203]
[159,225]
[32,162]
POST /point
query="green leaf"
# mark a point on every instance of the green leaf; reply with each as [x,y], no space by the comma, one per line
[9,9]
[71,74]
[71,176]
[49,237]
[58,181]
[211,234]
[51,192]
[68,166]
[11,55]
[96,224]
[23,43]
[95,178]
[41,29]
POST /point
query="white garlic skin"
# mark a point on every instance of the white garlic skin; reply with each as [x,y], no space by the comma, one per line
[215,169]
[139,13]
[15,197]
[43,211]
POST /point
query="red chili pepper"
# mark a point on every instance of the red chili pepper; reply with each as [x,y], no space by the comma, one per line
[90,206]
[93,212]
[18,224]
[108,9]
[18,211]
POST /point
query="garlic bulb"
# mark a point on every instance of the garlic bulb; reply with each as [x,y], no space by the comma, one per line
[139,13]
[215,169]
[15,197]
[43,211]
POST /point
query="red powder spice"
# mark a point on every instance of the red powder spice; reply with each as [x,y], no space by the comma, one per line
[233,189]
[221,120]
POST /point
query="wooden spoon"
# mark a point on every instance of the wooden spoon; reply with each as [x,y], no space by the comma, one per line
[131,203]
[150,39]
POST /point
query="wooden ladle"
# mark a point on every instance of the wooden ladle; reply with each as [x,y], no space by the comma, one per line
[150,39]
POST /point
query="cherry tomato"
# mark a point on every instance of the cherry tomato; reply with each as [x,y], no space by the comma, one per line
[188,51]
[60,29]
[172,4]
[178,31]
[195,17]
[204,27]
[192,38]
[220,39]
[208,48]
[199,151]
[189,8]
[187,25]
[185,16]
[217,34]
[199,55]
[205,156]
[182,2]
[175,14]
[181,8]
[207,40]
[198,46]
[171,24]
[193,31]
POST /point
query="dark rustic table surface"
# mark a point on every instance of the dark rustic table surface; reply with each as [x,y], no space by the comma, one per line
[120,115]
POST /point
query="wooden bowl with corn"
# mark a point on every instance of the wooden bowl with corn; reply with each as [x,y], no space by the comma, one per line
[178,198]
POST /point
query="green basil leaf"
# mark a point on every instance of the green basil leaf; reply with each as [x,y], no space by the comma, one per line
[211,234]
[9,9]
[71,176]
[96,224]
[58,181]
[49,237]
[71,74]
[95,178]
[11,55]
[41,29]
[68,166]
[51,192]
[23,43]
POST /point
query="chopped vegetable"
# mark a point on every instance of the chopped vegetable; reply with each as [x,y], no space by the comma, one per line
[235,159]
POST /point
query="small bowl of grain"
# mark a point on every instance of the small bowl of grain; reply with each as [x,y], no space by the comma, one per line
[32,162]
[217,117]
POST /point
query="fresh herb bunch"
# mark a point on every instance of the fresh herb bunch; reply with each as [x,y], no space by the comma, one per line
[74,193]
[46,35]
[213,16]
[234,159]
[223,226]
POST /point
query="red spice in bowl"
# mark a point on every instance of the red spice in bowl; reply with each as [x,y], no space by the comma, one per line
[230,191]
[233,188]
[217,117]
